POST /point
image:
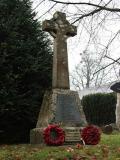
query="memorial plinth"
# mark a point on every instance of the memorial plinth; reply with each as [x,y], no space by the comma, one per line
[60,105]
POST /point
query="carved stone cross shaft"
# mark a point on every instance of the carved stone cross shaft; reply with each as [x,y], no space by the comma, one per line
[60,29]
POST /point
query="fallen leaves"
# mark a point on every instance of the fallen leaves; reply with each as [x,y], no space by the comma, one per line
[72,152]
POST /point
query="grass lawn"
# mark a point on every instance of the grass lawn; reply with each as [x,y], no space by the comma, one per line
[108,149]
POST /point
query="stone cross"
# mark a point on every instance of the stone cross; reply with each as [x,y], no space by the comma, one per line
[60,29]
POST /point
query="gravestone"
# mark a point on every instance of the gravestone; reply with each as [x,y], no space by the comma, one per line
[60,105]
[116,88]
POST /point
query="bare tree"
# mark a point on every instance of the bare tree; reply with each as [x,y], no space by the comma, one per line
[95,18]
[98,24]
[83,76]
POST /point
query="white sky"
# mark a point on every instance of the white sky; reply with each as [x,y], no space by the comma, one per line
[77,44]
[73,45]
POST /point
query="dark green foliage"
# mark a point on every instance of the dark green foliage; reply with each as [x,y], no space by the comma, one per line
[99,108]
[25,69]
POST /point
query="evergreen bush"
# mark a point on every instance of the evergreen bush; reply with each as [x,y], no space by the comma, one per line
[25,69]
[99,108]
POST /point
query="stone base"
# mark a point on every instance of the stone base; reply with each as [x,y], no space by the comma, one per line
[72,135]
[36,136]
[61,107]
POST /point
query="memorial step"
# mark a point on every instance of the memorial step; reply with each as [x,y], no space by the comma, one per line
[72,138]
[72,135]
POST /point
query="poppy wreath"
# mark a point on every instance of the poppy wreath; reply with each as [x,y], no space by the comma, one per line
[53,135]
[91,135]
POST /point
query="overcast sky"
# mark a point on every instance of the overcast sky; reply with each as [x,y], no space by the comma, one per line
[74,49]
[77,44]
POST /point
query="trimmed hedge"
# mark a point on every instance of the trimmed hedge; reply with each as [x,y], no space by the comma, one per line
[99,108]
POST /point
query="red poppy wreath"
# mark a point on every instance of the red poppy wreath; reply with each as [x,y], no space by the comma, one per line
[54,135]
[91,135]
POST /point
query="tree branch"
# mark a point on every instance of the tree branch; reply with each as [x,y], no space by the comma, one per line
[48,10]
[106,66]
[86,15]
[112,59]
[89,4]
[38,5]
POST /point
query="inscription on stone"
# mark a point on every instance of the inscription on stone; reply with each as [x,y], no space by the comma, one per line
[67,109]
[72,134]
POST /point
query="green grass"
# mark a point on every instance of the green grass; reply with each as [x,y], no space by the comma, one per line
[107,149]
[112,140]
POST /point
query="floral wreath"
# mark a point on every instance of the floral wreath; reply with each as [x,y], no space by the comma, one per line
[53,135]
[91,135]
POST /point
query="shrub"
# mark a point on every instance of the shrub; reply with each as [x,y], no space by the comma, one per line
[99,108]
[25,69]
